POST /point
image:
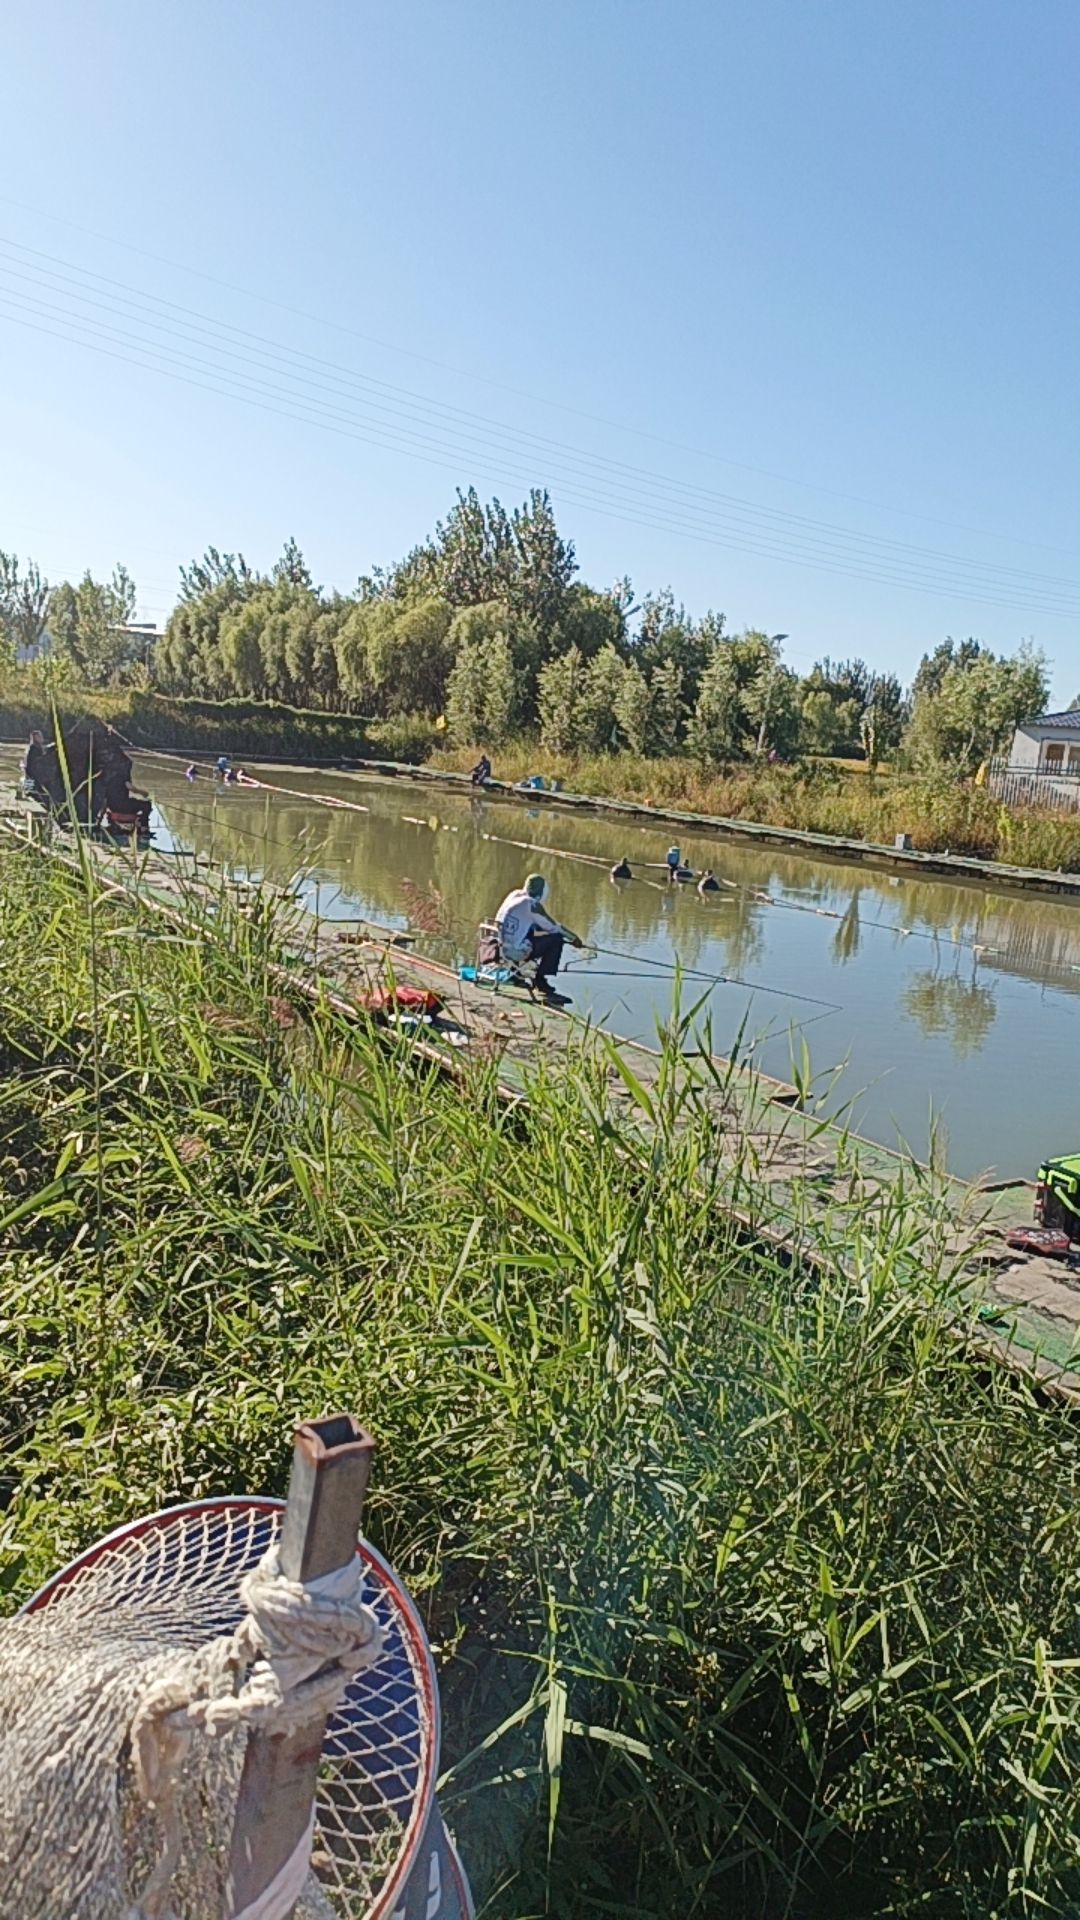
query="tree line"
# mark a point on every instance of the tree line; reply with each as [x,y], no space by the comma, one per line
[487,625]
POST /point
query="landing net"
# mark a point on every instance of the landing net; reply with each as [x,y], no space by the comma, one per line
[77,1837]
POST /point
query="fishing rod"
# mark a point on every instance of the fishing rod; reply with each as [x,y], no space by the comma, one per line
[247,779]
[715,979]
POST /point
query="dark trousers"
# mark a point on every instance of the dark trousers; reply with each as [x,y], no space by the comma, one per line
[546,950]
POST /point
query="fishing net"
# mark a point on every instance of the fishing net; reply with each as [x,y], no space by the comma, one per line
[128,1689]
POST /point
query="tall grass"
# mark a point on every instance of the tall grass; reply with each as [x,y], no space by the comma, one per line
[266,728]
[941,814]
[752,1594]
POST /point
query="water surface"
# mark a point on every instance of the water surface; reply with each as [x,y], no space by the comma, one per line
[945,1004]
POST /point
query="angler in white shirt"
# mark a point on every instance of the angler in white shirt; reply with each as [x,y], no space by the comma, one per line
[527,931]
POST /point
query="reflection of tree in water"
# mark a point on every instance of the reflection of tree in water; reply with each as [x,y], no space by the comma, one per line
[846,938]
[744,935]
[944,1003]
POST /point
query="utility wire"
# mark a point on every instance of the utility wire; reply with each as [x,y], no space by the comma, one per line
[326,320]
[223,334]
[151,357]
[425,447]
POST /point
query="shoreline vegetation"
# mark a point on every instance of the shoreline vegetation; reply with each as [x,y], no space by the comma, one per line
[942,813]
[483,636]
[751,1590]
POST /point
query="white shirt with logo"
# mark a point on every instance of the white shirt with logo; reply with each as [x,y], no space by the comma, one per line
[516,919]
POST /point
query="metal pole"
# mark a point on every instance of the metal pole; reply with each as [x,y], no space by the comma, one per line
[330,1470]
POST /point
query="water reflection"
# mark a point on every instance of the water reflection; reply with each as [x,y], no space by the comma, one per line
[846,938]
[951,998]
[944,1003]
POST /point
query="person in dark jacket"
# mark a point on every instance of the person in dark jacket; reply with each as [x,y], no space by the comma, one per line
[116,793]
[35,762]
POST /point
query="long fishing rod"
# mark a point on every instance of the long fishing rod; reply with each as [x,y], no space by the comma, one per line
[249,779]
[716,979]
[1044,978]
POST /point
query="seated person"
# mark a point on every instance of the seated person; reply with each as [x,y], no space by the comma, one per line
[481,773]
[527,931]
[35,761]
[117,796]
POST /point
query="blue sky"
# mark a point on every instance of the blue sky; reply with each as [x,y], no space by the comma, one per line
[743,284]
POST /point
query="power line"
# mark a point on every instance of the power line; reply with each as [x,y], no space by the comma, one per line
[755,517]
[337,326]
[419,447]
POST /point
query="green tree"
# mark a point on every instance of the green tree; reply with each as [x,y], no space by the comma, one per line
[832,699]
[189,658]
[634,709]
[668,637]
[668,707]
[716,731]
[598,727]
[560,692]
[241,657]
[24,608]
[311,651]
[292,569]
[934,666]
[474,547]
[397,657]
[482,691]
[589,621]
[543,564]
[970,711]
[881,723]
[748,701]
[88,623]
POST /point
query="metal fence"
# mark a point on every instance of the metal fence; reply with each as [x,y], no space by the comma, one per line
[1043,787]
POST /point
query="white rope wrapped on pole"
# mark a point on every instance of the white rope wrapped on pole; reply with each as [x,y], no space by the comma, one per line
[227,1711]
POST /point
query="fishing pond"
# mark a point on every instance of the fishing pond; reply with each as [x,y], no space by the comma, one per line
[938,1015]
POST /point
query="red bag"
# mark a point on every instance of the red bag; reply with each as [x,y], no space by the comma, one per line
[1038,1240]
[408,999]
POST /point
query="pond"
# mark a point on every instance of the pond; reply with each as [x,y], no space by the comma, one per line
[951,1009]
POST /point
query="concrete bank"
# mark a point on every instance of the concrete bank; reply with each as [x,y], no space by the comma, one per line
[952,866]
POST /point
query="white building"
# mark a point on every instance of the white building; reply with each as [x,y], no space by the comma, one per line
[1049,745]
[1043,764]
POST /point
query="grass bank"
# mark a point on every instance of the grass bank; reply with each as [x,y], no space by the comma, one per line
[260,728]
[750,1594]
[941,815]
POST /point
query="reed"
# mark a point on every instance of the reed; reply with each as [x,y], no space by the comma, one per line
[258,728]
[752,1592]
[941,814]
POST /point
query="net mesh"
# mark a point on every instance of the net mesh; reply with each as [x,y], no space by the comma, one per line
[76,1837]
